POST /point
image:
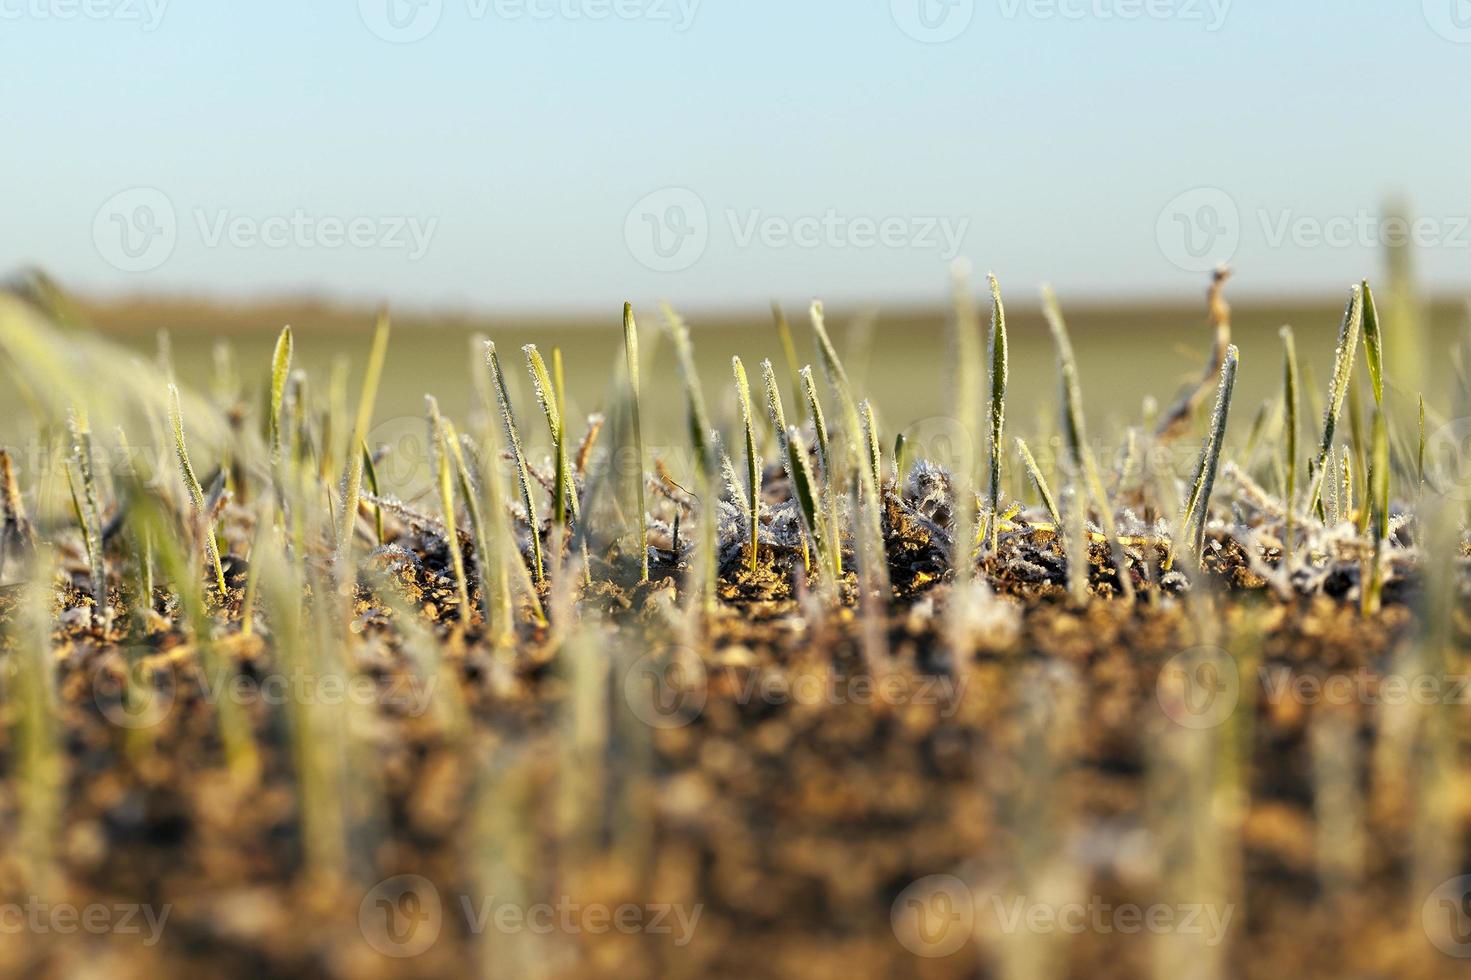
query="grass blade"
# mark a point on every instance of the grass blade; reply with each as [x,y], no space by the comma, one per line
[518,457]
[753,458]
[280,371]
[1291,407]
[1039,481]
[1373,345]
[353,483]
[196,492]
[1343,362]
[998,403]
[630,350]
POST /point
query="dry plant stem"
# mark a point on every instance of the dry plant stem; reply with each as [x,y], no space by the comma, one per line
[1176,422]
[630,350]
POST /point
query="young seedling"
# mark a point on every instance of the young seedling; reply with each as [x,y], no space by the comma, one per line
[280,371]
[518,458]
[565,497]
[353,480]
[998,406]
[705,464]
[1378,503]
[1197,510]
[789,353]
[1373,345]
[966,398]
[869,530]
[1076,439]
[779,426]
[1039,481]
[205,526]
[1291,408]
[874,457]
[753,458]
[446,446]
[819,426]
[1343,362]
[630,350]
[89,510]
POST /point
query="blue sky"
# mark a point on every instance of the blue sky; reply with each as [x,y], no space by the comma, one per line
[567,154]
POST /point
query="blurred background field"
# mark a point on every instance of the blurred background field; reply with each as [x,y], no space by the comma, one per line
[1126,352]
[899,356]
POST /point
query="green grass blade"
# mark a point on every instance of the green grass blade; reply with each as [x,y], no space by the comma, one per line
[195,491]
[518,458]
[280,371]
[1039,481]
[630,350]
[353,483]
[1343,361]
[753,458]
[998,403]
[1373,345]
